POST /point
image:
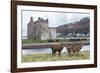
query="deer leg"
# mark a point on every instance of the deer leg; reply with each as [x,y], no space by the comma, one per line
[74,52]
[59,53]
[69,52]
[77,52]
[53,52]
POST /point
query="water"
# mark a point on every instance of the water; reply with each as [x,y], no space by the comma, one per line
[48,50]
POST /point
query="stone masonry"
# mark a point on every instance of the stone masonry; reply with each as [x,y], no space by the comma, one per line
[40,30]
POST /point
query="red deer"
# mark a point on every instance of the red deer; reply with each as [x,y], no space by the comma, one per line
[55,48]
[69,49]
[74,48]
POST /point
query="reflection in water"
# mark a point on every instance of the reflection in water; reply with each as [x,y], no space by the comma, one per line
[48,50]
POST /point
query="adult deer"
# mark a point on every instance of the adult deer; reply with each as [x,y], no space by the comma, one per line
[74,48]
[57,48]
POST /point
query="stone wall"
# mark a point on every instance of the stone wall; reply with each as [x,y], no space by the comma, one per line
[40,30]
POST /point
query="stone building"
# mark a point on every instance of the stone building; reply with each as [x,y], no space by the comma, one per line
[40,30]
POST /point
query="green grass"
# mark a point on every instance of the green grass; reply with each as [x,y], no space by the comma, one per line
[49,57]
[29,41]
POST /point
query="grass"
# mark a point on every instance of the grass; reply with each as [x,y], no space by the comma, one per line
[29,41]
[48,57]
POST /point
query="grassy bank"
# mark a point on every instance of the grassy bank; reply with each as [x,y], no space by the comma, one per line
[48,57]
[29,41]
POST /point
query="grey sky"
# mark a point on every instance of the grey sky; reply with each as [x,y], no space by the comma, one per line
[55,18]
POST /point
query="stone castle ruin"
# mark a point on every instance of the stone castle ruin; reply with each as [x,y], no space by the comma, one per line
[40,30]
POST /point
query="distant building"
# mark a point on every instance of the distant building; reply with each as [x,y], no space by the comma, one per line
[40,30]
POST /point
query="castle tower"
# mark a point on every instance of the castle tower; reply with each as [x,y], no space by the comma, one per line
[45,30]
[31,29]
[39,30]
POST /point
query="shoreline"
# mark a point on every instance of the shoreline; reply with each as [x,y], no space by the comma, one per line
[47,45]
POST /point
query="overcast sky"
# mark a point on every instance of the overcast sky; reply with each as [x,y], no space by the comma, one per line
[55,18]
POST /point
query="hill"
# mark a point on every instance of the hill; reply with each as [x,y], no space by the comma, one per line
[81,26]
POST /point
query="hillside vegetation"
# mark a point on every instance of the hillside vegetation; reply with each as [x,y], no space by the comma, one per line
[82,26]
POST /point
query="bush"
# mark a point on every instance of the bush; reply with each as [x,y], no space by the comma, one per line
[50,40]
[57,40]
[73,39]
